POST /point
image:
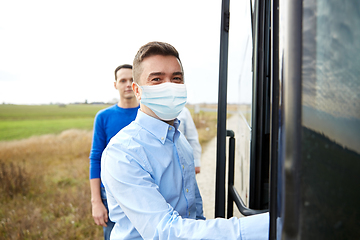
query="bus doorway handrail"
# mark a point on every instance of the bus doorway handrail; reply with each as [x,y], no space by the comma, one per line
[233,195]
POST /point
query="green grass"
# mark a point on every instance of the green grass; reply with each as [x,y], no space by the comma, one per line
[23,121]
[41,112]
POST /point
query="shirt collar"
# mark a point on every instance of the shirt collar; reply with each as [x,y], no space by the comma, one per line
[161,130]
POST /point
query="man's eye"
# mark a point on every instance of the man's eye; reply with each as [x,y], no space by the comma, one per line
[155,79]
[177,79]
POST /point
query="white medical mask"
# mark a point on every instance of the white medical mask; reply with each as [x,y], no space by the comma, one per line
[166,100]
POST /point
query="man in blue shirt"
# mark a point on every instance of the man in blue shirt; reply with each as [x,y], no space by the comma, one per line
[107,123]
[148,167]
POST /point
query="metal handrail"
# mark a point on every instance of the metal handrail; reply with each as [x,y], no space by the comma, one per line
[233,195]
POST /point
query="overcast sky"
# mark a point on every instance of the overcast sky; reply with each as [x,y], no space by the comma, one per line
[66,51]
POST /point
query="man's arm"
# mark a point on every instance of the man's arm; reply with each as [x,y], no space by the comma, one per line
[99,211]
[132,188]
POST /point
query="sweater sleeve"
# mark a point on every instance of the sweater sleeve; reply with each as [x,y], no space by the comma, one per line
[98,146]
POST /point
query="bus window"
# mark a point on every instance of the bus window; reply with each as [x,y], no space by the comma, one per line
[240,93]
[330,120]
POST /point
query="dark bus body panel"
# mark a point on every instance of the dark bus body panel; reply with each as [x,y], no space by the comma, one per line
[304,161]
[330,135]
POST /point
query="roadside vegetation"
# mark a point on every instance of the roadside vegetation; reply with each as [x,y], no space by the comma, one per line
[44,190]
[24,121]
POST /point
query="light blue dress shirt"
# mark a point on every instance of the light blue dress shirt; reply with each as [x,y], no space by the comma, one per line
[149,177]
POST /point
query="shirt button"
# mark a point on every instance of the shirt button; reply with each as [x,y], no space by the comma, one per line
[162,138]
[189,213]
[169,128]
[187,190]
[183,166]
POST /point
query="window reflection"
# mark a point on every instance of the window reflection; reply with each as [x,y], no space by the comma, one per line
[331,70]
[330,139]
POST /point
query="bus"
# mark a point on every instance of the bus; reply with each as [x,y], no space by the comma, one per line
[295,152]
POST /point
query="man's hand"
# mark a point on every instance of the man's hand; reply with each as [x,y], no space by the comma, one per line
[197,170]
[99,213]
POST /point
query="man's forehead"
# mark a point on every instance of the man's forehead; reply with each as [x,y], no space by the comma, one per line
[124,72]
[159,62]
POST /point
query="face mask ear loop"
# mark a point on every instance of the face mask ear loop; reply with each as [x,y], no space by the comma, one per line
[139,91]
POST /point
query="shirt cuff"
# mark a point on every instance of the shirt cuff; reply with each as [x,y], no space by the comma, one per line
[197,162]
[255,227]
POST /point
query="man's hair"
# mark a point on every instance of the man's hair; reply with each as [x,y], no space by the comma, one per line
[151,49]
[120,67]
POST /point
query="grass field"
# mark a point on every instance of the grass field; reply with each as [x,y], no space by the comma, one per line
[44,170]
[23,121]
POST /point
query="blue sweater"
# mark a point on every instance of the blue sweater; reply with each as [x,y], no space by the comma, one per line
[107,123]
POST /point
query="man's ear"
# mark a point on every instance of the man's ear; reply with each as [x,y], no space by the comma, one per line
[115,85]
[137,91]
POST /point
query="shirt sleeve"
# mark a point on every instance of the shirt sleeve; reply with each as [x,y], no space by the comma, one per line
[255,227]
[192,136]
[97,147]
[135,191]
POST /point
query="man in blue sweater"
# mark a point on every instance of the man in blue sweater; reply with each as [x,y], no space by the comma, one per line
[107,123]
